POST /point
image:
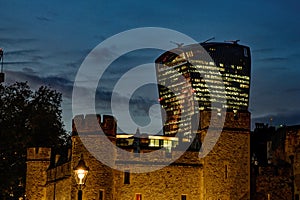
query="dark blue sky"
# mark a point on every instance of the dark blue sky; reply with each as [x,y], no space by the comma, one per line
[45,42]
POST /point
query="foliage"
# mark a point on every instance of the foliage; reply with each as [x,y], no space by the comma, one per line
[27,119]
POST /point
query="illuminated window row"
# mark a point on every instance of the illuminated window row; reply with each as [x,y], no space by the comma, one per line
[200,62]
[201,89]
[175,63]
[202,72]
[238,67]
[236,80]
[237,76]
[217,100]
[244,86]
[213,77]
[202,99]
[216,82]
[206,67]
[237,103]
[239,95]
[237,98]
[167,72]
[219,87]
[206,90]
[233,89]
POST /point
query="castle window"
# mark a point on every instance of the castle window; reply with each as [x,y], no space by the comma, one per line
[101,194]
[183,197]
[127,177]
[138,196]
[226,171]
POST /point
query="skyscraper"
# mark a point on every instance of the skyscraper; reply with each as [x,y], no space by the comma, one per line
[217,76]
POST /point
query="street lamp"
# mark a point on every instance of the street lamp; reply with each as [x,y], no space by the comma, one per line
[81,171]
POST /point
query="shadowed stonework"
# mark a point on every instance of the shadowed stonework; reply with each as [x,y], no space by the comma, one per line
[223,174]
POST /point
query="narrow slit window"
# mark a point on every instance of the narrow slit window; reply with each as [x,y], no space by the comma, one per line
[226,171]
[126,177]
[101,194]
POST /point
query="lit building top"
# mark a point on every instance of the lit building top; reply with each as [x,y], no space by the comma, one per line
[217,74]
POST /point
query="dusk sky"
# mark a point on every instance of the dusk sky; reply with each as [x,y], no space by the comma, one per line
[45,42]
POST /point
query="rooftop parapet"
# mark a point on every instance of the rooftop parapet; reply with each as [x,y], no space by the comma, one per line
[233,120]
[38,154]
[90,124]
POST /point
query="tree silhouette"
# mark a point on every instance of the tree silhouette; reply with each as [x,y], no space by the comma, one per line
[27,119]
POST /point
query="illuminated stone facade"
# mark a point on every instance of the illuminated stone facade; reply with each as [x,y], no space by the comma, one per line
[223,174]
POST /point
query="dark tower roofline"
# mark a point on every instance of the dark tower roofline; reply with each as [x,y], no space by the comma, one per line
[176,51]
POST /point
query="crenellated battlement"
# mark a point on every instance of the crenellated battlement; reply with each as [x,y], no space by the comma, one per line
[91,122]
[161,157]
[38,154]
[38,161]
[233,120]
[59,172]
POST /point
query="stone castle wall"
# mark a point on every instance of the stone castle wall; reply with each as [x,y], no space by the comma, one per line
[274,182]
[100,176]
[227,166]
[167,183]
[222,174]
[59,182]
[38,160]
[88,142]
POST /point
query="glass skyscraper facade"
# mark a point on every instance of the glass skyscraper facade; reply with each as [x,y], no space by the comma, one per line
[202,76]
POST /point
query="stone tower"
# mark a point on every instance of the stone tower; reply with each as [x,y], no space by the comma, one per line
[86,139]
[227,167]
[38,161]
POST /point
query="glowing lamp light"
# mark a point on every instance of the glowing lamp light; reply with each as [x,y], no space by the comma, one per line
[81,174]
[81,171]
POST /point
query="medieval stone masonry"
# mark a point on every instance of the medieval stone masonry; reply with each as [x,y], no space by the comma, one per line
[223,174]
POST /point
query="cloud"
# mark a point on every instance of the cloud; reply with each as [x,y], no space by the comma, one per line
[18,63]
[44,19]
[139,108]
[293,90]
[28,70]
[273,59]
[17,41]
[280,118]
[263,50]
[58,83]
[21,52]
[139,103]
[274,68]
